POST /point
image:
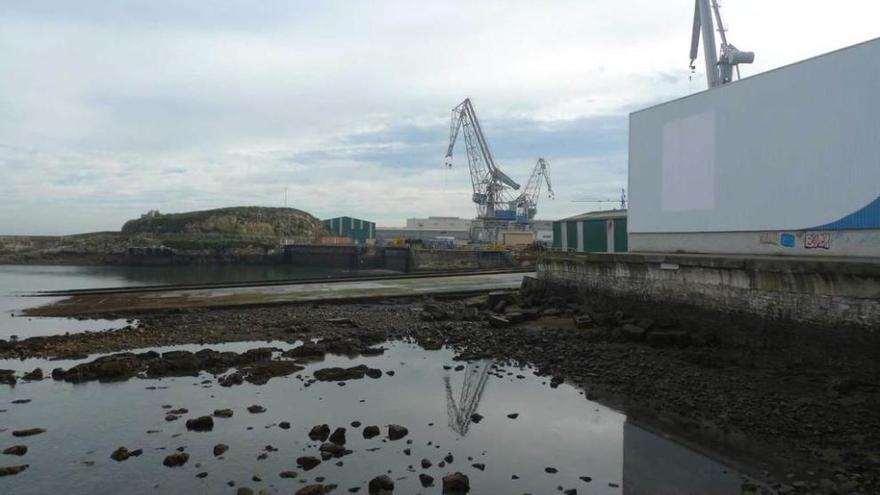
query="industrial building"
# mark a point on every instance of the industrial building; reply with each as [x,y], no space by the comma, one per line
[439,223]
[593,232]
[359,231]
[786,163]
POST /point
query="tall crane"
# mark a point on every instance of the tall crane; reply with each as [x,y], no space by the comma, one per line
[719,69]
[527,202]
[492,188]
[460,413]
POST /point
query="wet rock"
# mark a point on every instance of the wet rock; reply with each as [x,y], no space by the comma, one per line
[312,490]
[632,332]
[256,409]
[355,424]
[456,483]
[320,433]
[21,401]
[34,376]
[448,459]
[426,463]
[202,423]
[308,350]
[16,450]
[380,485]
[260,373]
[570,491]
[177,459]
[284,425]
[336,374]
[288,474]
[307,462]
[479,465]
[551,470]
[223,413]
[28,432]
[426,480]
[585,479]
[11,470]
[7,377]
[58,374]
[338,436]
[105,368]
[396,432]
[203,474]
[371,431]
[333,450]
[220,449]
[244,491]
[513,415]
[556,381]
[234,378]
[476,418]
[120,454]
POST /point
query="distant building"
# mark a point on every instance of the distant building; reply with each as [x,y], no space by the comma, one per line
[359,231]
[439,223]
[593,232]
[543,230]
[386,234]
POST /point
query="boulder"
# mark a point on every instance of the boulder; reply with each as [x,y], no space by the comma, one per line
[456,483]
[176,459]
[338,436]
[220,449]
[319,433]
[371,431]
[311,490]
[396,432]
[202,423]
[120,454]
[11,470]
[16,450]
[256,409]
[307,462]
[223,413]
[426,480]
[380,485]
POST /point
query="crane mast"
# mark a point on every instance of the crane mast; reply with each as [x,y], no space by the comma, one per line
[527,202]
[719,69]
[492,188]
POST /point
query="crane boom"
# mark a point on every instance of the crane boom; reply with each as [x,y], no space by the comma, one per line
[527,202]
[719,69]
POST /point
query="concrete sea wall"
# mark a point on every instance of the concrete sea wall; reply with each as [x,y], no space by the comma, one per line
[817,291]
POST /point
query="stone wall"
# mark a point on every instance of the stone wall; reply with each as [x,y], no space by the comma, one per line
[458,259]
[824,292]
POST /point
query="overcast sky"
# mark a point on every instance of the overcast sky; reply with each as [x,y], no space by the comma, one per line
[112,108]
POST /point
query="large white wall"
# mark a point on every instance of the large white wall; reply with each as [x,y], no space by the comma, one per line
[797,148]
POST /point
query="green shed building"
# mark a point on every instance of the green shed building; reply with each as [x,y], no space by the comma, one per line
[593,232]
[359,231]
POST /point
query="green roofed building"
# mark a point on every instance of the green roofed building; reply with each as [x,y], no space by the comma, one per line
[593,232]
[359,231]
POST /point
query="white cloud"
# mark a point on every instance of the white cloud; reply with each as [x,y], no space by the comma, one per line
[111,108]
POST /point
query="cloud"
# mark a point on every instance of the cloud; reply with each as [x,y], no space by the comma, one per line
[112,108]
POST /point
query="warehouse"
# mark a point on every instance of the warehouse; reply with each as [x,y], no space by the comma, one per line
[593,232]
[786,163]
[359,231]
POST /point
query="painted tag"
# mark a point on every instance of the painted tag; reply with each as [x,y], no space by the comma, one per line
[786,240]
[817,240]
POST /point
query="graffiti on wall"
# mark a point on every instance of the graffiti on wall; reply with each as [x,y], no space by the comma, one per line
[817,240]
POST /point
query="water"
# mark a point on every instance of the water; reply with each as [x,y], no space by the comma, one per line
[556,428]
[17,280]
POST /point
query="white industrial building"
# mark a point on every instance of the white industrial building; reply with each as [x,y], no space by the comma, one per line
[784,162]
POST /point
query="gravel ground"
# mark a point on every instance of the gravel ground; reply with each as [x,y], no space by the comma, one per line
[796,406]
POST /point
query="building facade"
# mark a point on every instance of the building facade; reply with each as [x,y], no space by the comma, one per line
[593,232]
[359,231]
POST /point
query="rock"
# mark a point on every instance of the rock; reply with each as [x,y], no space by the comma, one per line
[426,463]
[11,470]
[311,490]
[203,474]
[308,350]
[556,381]
[661,338]
[256,409]
[120,454]
[426,480]
[177,459]
[456,483]
[35,375]
[551,470]
[231,379]
[202,423]
[319,433]
[21,401]
[336,374]
[479,465]
[448,459]
[570,491]
[220,449]
[284,425]
[371,431]
[288,474]
[498,322]
[223,413]
[307,462]
[513,415]
[16,450]
[396,432]
[7,377]
[338,436]
[29,432]
[585,479]
[632,332]
[380,485]
[244,491]
[476,418]
[333,450]
[58,374]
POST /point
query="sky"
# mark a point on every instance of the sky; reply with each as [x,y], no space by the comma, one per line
[109,109]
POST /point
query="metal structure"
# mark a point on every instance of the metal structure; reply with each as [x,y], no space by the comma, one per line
[498,206]
[621,202]
[527,202]
[719,69]
[472,387]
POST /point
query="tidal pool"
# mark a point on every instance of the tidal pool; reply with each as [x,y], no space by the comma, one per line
[429,393]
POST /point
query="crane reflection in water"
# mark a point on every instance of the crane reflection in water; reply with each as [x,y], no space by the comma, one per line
[461,412]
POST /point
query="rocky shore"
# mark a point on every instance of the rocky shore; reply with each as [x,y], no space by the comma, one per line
[798,407]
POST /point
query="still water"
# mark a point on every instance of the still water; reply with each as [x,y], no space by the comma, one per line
[557,428]
[18,280]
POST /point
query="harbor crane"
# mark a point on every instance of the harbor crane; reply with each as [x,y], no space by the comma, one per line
[492,188]
[719,69]
[527,202]
[460,413]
